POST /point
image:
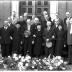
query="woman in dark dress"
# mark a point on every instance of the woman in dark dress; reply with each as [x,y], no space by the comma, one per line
[38,41]
[16,39]
[49,39]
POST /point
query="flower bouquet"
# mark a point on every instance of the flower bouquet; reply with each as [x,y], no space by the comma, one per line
[21,63]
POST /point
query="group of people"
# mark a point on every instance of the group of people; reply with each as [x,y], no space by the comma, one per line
[22,35]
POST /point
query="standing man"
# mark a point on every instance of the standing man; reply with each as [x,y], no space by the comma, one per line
[66,22]
[69,41]
[5,34]
[59,28]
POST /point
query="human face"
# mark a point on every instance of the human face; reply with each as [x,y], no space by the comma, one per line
[5,23]
[67,15]
[36,20]
[18,25]
[28,21]
[21,18]
[56,21]
[25,16]
[13,13]
[39,27]
[48,23]
[46,17]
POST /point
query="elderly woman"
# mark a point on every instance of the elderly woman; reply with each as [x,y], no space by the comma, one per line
[16,39]
[49,39]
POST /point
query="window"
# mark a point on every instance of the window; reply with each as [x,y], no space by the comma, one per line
[23,3]
[39,3]
[30,17]
[39,10]
[29,10]
[30,3]
[45,3]
[46,9]
[23,10]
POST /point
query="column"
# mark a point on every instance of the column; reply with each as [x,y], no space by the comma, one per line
[53,8]
[15,7]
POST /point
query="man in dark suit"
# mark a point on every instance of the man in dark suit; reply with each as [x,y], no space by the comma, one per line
[6,36]
[69,41]
[59,28]
[66,22]
[44,21]
[11,26]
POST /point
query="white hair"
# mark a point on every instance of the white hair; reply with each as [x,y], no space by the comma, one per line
[44,12]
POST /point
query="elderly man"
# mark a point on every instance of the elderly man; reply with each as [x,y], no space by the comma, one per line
[69,41]
[66,22]
[6,36]
[59,28]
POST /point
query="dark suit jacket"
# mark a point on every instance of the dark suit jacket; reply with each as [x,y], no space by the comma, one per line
[48,34]
[5,35]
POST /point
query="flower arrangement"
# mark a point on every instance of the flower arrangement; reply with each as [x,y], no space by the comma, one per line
[21,63]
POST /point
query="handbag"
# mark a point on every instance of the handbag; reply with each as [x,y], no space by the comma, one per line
[48,44]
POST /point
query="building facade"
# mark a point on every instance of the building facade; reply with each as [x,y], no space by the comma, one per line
[33,7]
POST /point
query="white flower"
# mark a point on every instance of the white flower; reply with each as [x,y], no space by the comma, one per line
[16,58]
[14,55]
[51,68]
[19,56]
[32,66]
[20,66]
[58,57]
[33,62]
[27,57]
[22,59]
[26,64]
